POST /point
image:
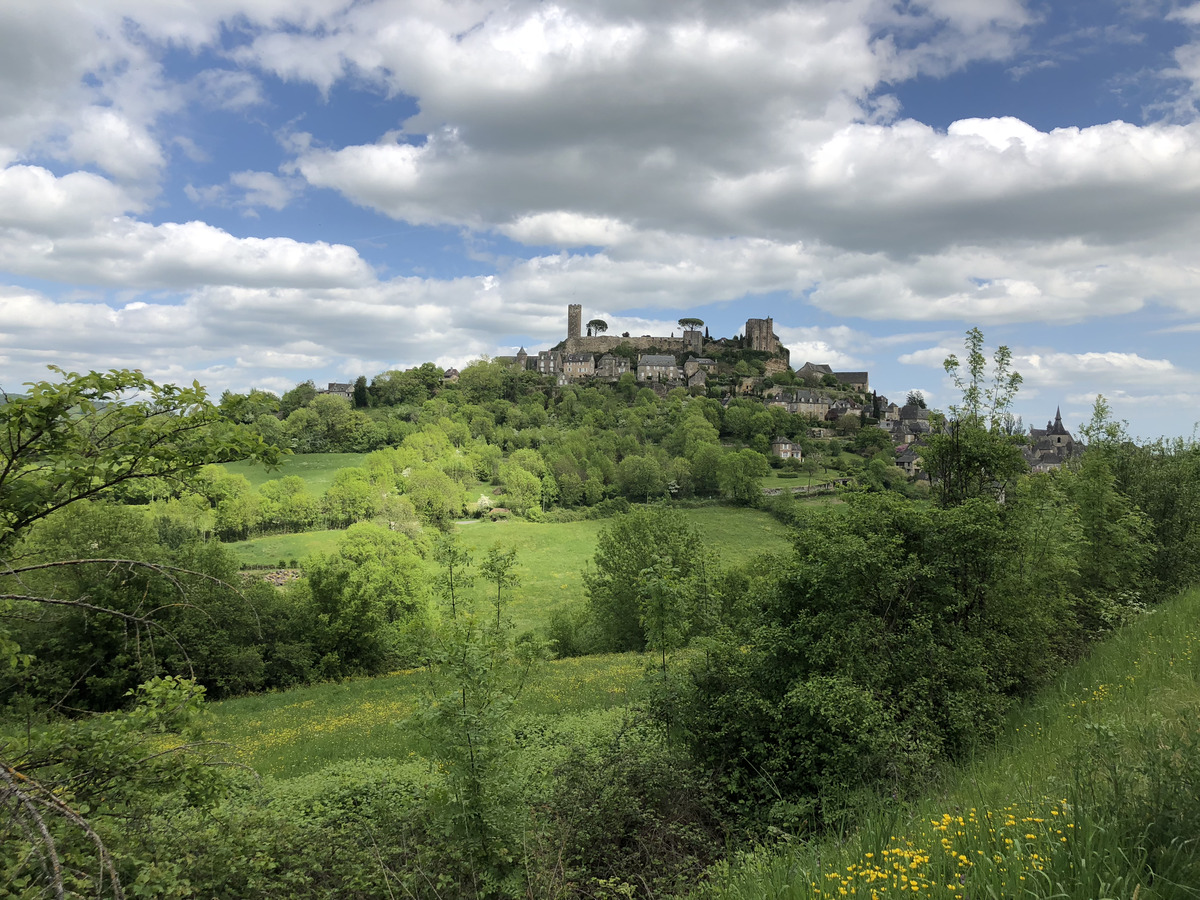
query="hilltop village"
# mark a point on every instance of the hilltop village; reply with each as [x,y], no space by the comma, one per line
[755,366]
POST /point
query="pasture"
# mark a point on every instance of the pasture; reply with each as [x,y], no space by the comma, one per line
[307,729]
[551,558]
[317,469]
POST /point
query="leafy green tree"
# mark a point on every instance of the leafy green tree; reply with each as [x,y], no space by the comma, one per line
[351,498]
[641,477]
[287,504]
[973,456]
[898,634]
[454,575]
[499,567]
[369,595]
[522,489]
[476,674]
[297,398]
[86,434]
[739,475]
[664,607]
[361,397]
[435,496]
[638,541]
[62,442]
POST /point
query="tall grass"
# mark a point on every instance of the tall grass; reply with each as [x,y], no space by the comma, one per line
[1094,792]
[305,730]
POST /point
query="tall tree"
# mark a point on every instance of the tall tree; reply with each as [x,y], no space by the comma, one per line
[597,327]
[498,568]
[361,398]
[973,456]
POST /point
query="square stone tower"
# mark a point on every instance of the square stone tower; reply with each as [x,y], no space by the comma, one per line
[574,320]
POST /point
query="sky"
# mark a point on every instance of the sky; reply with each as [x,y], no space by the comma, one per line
[252,193]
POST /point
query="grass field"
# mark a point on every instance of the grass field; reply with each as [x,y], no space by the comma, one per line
[550,557]
[317,469]
[1093,792]
[773,480]
[301,731]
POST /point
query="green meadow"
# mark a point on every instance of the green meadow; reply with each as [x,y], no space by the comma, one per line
[308,729]
[317,469]
[551,558]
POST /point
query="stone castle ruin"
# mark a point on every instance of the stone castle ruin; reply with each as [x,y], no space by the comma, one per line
[759,336]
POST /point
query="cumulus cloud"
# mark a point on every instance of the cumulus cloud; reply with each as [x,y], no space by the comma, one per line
[123,252]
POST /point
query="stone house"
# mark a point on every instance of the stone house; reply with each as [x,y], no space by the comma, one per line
[804,403]
[786,449]
[339,390]
[813,371]
[859,381]
[579,365]
[549,362]
[611,366]
[658,367]
[908,459]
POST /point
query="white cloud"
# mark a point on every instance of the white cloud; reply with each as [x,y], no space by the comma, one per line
[34,200]
[122,252]
[228,89]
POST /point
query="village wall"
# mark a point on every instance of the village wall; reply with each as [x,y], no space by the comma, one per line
[606,343]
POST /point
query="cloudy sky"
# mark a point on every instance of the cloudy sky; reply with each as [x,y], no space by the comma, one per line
[256,192]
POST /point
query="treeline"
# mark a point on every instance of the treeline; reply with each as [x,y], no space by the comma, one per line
[161,602]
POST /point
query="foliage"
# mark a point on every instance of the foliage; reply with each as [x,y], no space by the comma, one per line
[476,675]
[1093,792]
[81,436]
[640,541]
[974,456]
[898,635]
[371,600]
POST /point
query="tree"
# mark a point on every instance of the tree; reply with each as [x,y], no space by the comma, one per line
[497,567]
[915,398]
[368,594]
[476,675]
[299,396]
[62,442]
[632,544]
[455,574]
[739,475]
[973,456]
[597,326]
[84,435]
[361,398]
[690,324]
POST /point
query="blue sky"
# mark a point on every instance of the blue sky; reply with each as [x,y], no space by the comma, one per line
[256,192]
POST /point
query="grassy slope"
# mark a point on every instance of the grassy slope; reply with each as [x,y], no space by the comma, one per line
[1094,785]
[304,730]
